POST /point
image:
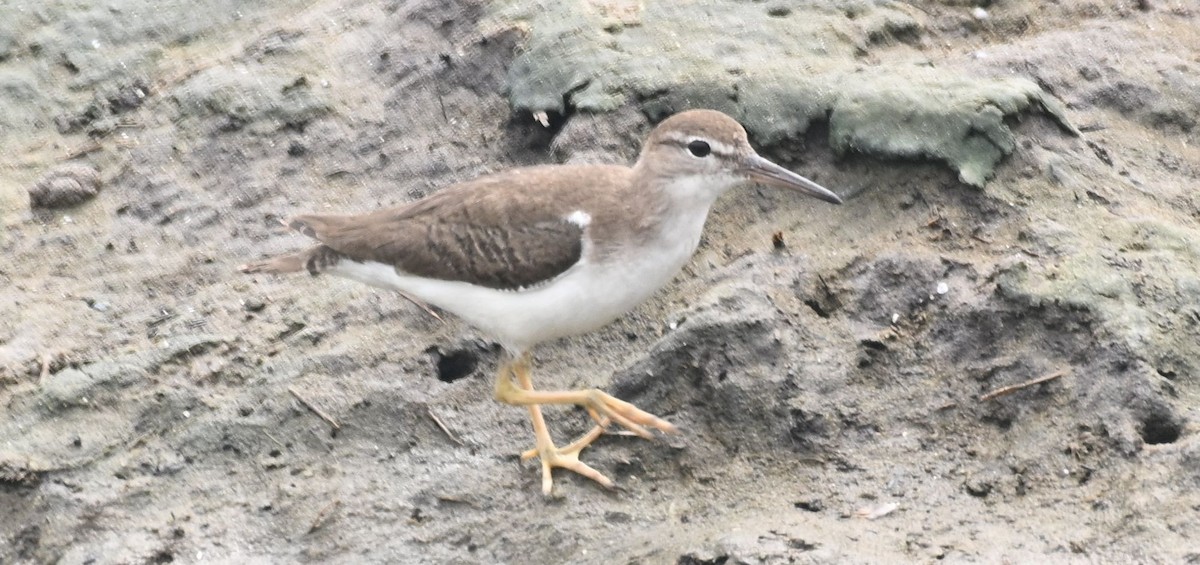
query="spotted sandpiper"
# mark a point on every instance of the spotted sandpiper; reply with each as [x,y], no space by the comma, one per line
[533,254]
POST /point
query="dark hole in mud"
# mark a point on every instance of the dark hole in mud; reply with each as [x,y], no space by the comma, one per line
[816,307]
[691,559]
[1085,475]
[873,344]
[163,556]
[813,505]
[1002,419]
[455,365]
[802,545]
[806,427]
[1157,429]
[820,297]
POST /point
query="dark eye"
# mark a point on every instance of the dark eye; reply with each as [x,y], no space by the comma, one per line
[699,148]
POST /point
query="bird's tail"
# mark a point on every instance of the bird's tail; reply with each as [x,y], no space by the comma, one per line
[315,260]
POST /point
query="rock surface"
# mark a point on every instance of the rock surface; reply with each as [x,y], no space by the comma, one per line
[1021,203]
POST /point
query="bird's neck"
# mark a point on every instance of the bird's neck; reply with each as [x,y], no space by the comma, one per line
[691,194]
[683,206]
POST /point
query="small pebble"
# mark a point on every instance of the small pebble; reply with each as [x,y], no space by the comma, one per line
[65,186]
[877,512]
[980,13]
[943,288]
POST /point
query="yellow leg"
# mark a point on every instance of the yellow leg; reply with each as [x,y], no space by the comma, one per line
[568,457]
[551,456]
[525,382]
[577,445]
[598,403]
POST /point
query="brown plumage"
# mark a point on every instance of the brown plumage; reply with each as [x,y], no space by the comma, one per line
[504,231]
[314,260]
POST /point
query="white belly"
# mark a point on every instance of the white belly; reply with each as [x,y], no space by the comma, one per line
[582,299]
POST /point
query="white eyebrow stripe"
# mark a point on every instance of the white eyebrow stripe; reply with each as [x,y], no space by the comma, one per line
[716,146]
[719,147]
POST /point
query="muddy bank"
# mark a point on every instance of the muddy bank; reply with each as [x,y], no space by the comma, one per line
[826,367]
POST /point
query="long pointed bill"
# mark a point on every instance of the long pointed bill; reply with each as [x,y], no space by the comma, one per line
[765,172]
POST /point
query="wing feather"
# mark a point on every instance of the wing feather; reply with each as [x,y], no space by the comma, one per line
[481,232]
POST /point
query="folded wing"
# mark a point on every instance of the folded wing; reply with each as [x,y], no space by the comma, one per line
[471,233]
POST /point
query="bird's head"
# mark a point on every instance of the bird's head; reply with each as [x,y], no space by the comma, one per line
[703,153]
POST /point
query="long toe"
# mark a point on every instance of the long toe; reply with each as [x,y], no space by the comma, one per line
[577,445]
[571,463]
[569,460]
[630,416]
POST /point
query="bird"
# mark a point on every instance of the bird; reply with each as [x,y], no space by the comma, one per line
[533,254]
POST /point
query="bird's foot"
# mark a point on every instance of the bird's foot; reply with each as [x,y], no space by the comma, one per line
[567,457]
[604,407]
[583,441]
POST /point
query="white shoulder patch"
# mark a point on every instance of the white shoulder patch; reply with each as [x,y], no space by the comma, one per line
[580,218]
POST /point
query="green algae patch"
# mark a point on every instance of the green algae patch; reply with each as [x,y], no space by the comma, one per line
[775,68]
[928,114]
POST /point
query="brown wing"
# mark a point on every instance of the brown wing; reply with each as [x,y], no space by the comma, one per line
[484,232]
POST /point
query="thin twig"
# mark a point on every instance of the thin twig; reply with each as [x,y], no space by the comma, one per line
[442,105]
[442,426]
[277,442]
[455,500]
[324,515]
[89,147]
[47,361]
[314,409]
[1007,390]
[423,306]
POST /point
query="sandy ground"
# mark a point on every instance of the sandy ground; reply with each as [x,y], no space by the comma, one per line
[156,406]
